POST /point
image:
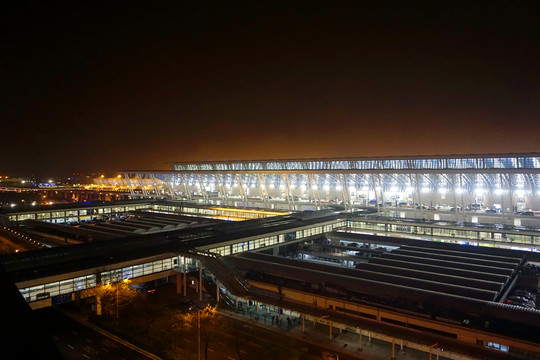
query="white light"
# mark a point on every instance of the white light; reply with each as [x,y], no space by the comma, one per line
[520,192]
[394,189]
[459,190]
[293,186]
[282,187]
[409,190]
[352,189]
[252,185]
[339,187]
[303,187]
[442,190]
[499,191]
[272,185]
[315,187]
[365,188]
[425,189]
[326,187]
[479,191]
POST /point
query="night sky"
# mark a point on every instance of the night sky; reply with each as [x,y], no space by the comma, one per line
[138,85]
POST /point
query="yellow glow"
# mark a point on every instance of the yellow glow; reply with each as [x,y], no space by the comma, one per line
[252,211]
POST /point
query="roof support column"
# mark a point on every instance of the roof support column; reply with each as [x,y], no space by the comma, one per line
[154,184]
[318,207]
[128,181]
[242,188]
[455,199]
[376,195]
[347,192]
[186,188]
[287,192]
[202,188]
[221,188]
[501,179]
[511,192]
[382,194]
[169,181]
[461,187]
[141,184]
[419,196]
[290,192]
[412,195]
[264,190]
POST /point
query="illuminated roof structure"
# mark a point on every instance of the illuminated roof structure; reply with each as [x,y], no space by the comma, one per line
[504,182]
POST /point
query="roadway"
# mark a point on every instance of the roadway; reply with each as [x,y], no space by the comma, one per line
[236,339]
[80,342]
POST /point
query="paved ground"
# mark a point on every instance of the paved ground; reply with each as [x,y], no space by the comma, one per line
[344,343]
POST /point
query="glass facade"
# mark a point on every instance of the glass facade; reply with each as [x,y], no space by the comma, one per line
[510,161]
[69,286]
[440,231]
[276,239]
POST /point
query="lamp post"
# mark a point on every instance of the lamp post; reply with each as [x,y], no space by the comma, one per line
[198,334]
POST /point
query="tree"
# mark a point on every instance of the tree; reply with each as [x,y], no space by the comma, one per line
[206,321]
[112,297]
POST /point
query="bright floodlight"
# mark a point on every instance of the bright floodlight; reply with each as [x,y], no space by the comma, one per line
[442,190]
[459,190]
[339,187]
[499,191]
[394,189]
[479,191]
[520,192]
[425,189]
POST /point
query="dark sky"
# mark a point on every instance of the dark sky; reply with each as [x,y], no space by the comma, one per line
[138,85]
